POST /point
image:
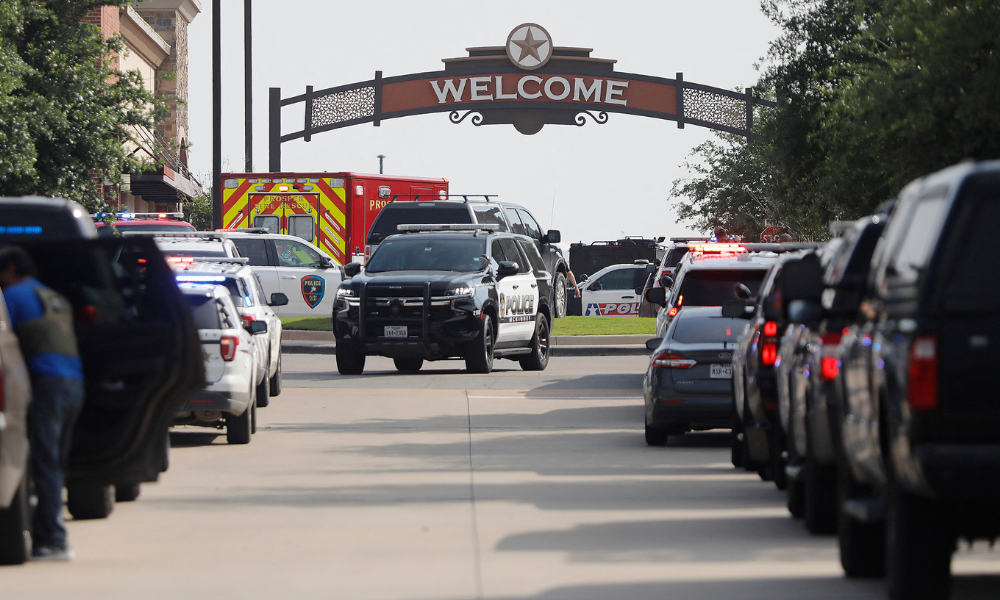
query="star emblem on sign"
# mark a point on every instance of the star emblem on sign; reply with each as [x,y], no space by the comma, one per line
[529,46]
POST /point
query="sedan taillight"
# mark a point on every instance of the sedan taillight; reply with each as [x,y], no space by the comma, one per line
[228,346]
[922,388]
[665,360]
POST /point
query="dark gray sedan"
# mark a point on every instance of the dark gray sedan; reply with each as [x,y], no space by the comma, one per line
[688,385]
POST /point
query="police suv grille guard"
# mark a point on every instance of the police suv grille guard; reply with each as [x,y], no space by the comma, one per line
[424,313]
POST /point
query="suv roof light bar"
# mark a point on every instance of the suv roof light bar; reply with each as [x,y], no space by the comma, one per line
[415,228]
[244,230]
[416,197]
[205,235]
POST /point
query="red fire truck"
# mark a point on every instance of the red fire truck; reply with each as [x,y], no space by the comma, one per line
[331,210]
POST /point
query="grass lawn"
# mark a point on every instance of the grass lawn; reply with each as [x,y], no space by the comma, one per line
[564,326]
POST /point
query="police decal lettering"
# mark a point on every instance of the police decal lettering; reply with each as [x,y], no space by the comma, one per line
[313,288]
[519,308]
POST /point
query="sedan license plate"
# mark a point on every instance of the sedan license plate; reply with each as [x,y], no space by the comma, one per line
[395,331]
[720,371]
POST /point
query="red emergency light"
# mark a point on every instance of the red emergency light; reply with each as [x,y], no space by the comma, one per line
[716,248]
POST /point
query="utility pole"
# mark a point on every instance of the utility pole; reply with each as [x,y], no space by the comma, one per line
[381,157]
[248,86]
[216,114]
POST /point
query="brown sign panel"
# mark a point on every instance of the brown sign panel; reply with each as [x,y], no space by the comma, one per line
[614,92]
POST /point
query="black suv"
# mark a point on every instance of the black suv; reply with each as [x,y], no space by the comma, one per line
[504,216]
[920,422]
[445,291]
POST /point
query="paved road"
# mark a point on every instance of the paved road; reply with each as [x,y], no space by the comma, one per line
[446,485]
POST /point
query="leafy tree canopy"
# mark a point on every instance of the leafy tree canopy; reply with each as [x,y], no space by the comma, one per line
[67,110]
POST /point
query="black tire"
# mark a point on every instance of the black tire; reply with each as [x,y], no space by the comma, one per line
[239,428]
[778,461]
[15,526]
[655,437]
[127,492]
[540,345]
[919,544]
[253,419]
[736,448]
[820,510]
[275,380]
[560,298]
[350,357]
[797,498]
[408,365]
[479,353]
[264,391]
[86,500]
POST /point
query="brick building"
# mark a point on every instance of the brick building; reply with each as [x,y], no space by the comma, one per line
[156,39]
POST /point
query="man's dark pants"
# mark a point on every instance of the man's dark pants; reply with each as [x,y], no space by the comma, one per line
[55,405]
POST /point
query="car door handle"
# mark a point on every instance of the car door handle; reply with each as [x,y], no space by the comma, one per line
[515,287]
[628,296]
[534,285]
[288,277]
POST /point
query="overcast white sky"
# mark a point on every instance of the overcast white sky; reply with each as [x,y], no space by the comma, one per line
[596,182]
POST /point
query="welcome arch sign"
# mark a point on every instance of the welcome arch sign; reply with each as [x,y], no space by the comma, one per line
[529,82]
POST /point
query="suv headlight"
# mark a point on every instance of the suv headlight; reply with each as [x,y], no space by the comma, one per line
[459,291]
[346,292]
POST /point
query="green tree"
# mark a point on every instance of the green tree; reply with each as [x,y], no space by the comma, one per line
[199,212]
[67,110]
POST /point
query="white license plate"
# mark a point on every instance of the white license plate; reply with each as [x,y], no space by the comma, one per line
[720,371]
[395,331]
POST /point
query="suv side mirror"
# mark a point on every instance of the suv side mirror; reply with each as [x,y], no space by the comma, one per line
[653,344]
[651,268]
[742,292]
[506,268]
[352,269]
[666,281]
[804,311]
[553,237]
[656,296]
[325,262]
[257,327]
[278,299]
[736,309]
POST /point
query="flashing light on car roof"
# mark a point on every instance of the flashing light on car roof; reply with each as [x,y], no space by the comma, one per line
[179,260]
[716,248]
[125,216]
[201,278]
[445,227]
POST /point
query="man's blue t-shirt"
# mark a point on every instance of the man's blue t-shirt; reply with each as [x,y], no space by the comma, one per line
[23,305]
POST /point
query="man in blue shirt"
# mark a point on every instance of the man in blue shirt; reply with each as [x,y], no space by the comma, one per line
[43,322]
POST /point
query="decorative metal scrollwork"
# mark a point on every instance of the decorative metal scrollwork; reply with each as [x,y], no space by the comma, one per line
[343,106]
[456,117]
[581,117]
[715,108]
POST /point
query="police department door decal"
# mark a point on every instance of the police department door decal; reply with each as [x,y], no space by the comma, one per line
[313,288]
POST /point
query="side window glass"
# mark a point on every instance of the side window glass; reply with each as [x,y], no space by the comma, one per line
[515,221]
[496,252]
[253,249]
[301,226]
[912,254]
[619,279]
[490,215]
[529,250]
[269,222]
[295,254]
[259,289]
[530,226]
[249,293]
[510,249]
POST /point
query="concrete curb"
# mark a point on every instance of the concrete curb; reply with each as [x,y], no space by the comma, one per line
[307,347]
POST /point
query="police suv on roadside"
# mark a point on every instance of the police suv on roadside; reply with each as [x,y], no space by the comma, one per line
[445,291]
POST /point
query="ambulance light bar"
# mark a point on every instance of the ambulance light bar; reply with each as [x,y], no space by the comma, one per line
[409,228]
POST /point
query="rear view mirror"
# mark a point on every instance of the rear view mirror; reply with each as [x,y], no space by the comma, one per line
[656,296]
[278,299]
[651,268]
[804,311]
[653,344]
[735,309]
[352,269]
[742,292]
[553,236]
[667,281]
[257,327]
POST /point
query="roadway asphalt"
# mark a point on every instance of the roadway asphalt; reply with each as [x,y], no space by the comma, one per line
[442,485]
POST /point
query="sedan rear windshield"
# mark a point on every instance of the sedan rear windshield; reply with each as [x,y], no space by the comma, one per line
[387,221]
[421,253]
[698,329]
[713,287]
[206,314]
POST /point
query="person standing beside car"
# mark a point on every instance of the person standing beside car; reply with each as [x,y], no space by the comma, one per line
[43,322]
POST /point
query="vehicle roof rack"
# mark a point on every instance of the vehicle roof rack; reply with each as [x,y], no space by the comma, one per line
[416,197]
[194,235]
[684,240]
[244,230]
[421,227]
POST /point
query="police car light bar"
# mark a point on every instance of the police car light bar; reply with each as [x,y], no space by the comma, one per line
[412,228]
[159,216]
[716,248]
[181,278]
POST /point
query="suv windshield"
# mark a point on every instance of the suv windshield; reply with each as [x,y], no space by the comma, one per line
[713,287]
[415,214]
[422,253]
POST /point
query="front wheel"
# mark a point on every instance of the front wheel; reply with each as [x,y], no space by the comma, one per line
[539,357]
[560,295]
[919,546]
[127,492]
[86,500]
[408,365]
[479,354]
[350,357]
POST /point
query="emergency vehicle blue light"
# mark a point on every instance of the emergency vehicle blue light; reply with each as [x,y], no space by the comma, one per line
[125,216]
[201,278]
[21,230]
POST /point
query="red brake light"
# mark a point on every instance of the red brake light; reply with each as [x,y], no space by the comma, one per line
[922,392]
[86,314]
[666,360]
[228,345]
[161,216]
[770,329]
[680,300]
[829,368]
[832,337]
[672,312]
[769,354]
